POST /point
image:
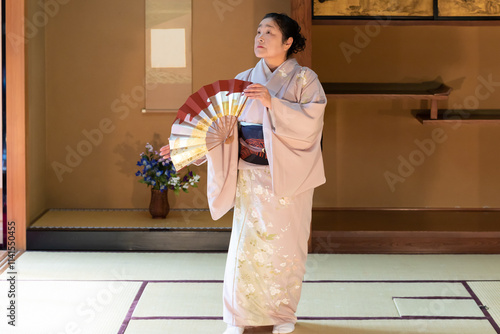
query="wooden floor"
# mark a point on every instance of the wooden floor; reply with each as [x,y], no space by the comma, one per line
[333,231]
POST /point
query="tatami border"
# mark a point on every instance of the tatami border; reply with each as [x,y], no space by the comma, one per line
[129,317]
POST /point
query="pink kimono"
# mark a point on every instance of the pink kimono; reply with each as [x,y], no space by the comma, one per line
[272,204]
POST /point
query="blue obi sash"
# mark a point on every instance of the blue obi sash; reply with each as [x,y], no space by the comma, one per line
[252,148]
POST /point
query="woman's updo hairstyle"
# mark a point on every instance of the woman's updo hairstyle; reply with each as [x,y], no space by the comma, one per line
[289,28]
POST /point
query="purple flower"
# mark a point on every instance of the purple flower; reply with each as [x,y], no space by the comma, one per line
[161,174]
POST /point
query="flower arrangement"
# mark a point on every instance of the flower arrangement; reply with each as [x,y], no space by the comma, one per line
[161,174]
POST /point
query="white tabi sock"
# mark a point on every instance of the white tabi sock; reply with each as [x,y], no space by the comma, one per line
[234,330]
[284,328]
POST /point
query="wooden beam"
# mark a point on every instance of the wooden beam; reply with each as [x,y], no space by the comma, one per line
[16,119]
[302,13]
[393,22]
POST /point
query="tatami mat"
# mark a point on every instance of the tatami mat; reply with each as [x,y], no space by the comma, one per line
[402,267]
[318,299]
[68,307]
[129,219]
[323,220]
[210,266]
[394,327]
[489,295]
[175,326]
[186,299]
[438,308]
[320,327]
[120,266]
[149,293]
[358,299]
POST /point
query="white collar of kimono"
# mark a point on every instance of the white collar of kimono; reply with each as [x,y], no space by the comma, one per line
[274,81]
[281,71]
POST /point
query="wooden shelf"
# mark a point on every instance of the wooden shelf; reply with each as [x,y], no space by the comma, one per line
[432,91]
[462,116]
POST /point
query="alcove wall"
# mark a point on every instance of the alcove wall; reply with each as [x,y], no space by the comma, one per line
[85,95]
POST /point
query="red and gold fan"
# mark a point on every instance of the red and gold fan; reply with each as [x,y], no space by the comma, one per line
[206,120]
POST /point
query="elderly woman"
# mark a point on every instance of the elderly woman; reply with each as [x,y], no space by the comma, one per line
[268,175]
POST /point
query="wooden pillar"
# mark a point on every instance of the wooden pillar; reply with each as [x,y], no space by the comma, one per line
[16,119]
[302,13]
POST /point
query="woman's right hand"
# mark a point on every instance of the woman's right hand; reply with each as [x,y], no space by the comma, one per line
[165,152]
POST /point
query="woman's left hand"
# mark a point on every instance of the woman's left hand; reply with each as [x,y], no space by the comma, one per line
[259,92]
[165,152]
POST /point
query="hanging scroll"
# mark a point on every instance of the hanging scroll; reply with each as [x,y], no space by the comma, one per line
[168,54]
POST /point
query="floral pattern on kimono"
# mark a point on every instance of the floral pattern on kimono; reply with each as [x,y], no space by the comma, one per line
[268,266]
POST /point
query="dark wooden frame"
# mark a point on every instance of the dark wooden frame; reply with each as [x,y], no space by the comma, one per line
[434,18]
[122,239]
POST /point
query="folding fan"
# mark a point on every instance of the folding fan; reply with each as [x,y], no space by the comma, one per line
[206,120]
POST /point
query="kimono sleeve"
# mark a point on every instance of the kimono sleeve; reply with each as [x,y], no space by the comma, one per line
[301,120]
[292,135]
[222,173]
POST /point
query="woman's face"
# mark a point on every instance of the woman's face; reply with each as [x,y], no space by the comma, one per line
[269,41]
